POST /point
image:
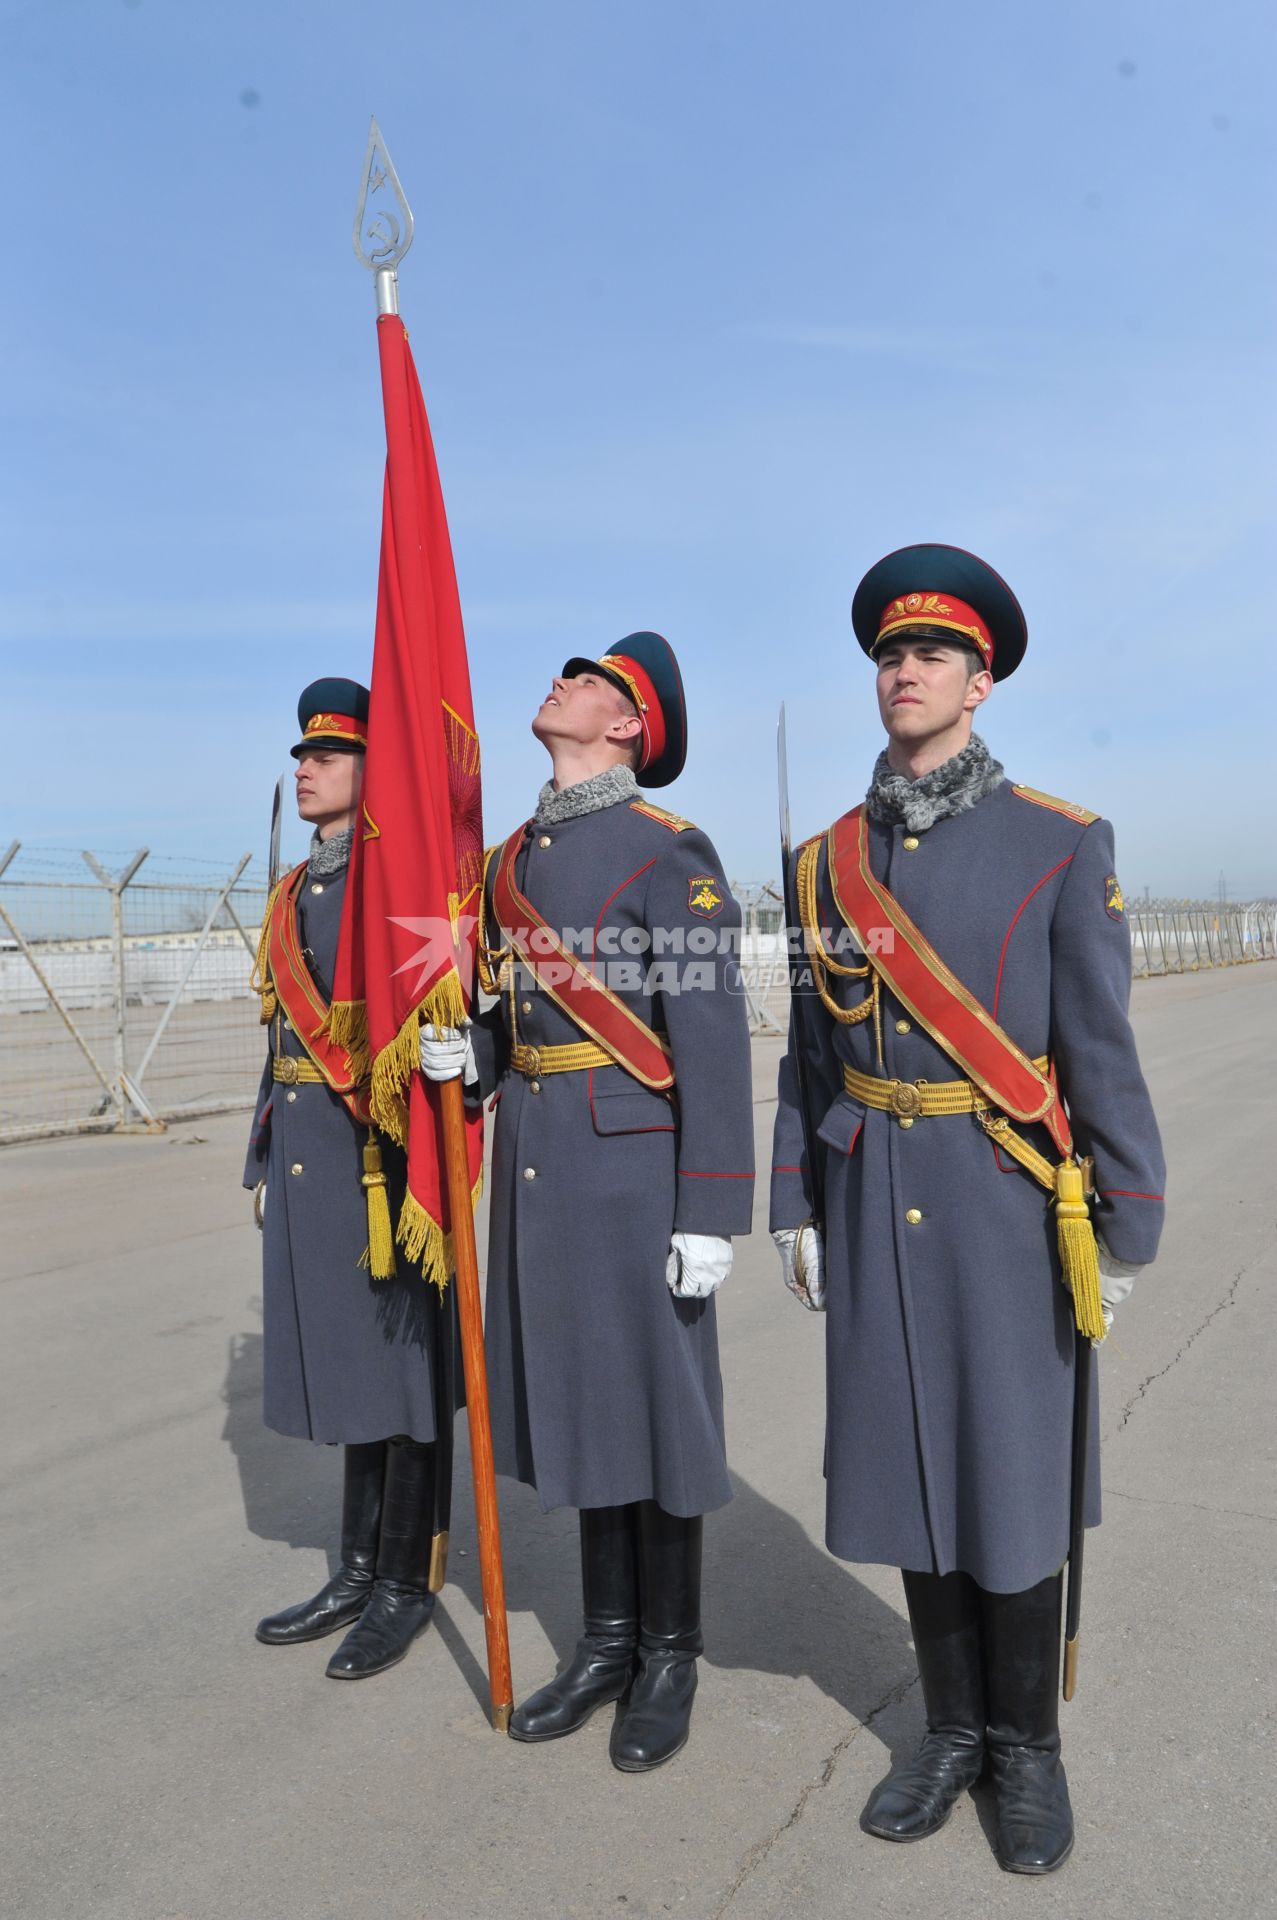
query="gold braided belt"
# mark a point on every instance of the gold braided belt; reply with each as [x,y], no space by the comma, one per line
[912,1100]
[915,1099]
[533,1062]
[290,1071]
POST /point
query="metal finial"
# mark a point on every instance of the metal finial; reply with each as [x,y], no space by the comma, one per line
[383,222]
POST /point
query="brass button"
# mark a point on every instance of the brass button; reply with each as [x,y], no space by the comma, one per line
[529,1173]
[290,1096]
[910,843]
[902,1026]
[906,1120]
[544,841]
[296,1166]
[317,886]
[913,1216]
[534,1086]
[288,1026]
[526,1007]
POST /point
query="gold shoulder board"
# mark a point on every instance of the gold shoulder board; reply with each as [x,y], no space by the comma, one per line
[674,821]
[1082,815]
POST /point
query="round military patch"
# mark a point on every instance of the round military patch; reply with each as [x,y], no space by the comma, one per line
[1114,905]
[704,895]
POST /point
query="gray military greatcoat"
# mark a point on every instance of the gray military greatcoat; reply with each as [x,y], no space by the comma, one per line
[949,1335]
[346,1358]
[605,1388]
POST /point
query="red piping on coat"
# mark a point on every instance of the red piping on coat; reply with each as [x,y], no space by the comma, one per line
[1011,929]
[611,897]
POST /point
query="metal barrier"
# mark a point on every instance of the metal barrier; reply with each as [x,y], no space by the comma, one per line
[125,998]
[1185,936]
[124,1001]
[1167,936]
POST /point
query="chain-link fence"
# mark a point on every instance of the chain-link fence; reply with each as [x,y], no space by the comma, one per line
[124,995]
[125,998]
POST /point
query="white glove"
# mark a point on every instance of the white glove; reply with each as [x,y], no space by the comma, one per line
[1117,1277]
[802,1260]
[698,1264]
[447,1053]
[259,1205]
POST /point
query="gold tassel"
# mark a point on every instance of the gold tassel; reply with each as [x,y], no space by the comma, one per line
[381,1241]
[1079,1259]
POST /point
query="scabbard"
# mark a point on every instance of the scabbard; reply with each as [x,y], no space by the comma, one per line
[1082,1362]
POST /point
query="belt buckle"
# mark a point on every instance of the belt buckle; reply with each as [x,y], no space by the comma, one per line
[906,1099]
[532,1061]
[287,1069]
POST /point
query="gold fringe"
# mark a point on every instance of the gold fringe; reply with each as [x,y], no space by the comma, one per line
[1079,1259]
[381,1241]
[392,1070]
[346,1025]
[424,1241]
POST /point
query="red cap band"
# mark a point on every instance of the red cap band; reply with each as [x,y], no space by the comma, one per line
[334,726]
[936,610]
[642,692]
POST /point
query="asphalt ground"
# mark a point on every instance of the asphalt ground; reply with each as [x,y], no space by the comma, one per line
[159,1764]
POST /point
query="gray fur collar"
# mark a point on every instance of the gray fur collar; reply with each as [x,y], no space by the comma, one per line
[895,800]
[331,855]
[606,789]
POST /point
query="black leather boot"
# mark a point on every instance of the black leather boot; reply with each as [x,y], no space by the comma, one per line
[918,1795]
[400,1603]
[345,1596]
[601,1668]
[1022,1664]
[658,1713]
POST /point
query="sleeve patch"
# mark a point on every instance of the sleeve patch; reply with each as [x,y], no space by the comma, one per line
[705,896]
[1114,905]
[1082,815]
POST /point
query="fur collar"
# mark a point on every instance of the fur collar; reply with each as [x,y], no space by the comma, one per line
[606,789]
[329,856]
[954,787]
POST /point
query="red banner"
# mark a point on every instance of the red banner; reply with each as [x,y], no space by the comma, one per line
[406,948]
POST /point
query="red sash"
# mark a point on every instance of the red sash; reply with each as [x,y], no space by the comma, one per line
[301,1000]
[914,972]
[573,987]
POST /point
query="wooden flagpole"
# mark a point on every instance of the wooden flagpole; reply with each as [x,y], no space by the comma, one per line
[491,1571]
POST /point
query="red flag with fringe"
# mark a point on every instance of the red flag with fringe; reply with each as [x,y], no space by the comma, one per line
[406,949]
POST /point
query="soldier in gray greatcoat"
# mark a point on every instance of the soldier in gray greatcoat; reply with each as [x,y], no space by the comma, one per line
[623,1165]
[950,1344]
[349,1360]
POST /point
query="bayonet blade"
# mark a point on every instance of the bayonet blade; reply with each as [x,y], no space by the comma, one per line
[799,988]
[276,823]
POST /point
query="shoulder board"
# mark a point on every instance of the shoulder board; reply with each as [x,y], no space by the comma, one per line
[674,821]
[1082,815]
[810,840]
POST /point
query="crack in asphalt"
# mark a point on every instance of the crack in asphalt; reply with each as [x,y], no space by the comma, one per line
[1195,1506]
[1151,1379]
[756,1855]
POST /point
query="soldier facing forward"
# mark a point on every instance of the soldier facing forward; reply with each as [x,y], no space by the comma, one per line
[348,1360]
[972,961]
[623,1163]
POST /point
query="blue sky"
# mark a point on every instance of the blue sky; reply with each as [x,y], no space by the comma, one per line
[712,304]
